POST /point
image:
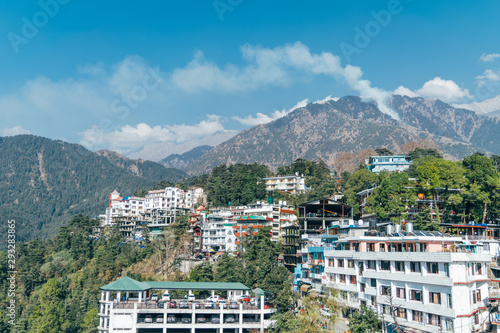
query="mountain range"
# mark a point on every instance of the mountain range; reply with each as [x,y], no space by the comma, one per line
[46,182]
[183,160]
[489,106]
[322,130]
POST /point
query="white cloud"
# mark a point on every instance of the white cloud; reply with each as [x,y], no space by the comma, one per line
[16,130]
[445,90]
[274,67]
[93,70]
[489,75]
[326,99]
[135,137]
[261,118]
[489,57]
[403,91]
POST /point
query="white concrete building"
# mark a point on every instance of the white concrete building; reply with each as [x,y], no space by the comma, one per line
[217,233]
[277,215]
[169,198]
[194,196]
[128,208]
[125,307]
[429,281]
[290,184]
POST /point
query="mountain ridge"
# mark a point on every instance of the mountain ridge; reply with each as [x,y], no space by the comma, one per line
[350,124]
[46,182]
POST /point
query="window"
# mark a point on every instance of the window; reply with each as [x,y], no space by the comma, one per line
[478,270]
[382,247]
[435,298]
[386,309]
[340,263]
[353,279]
[476,318]
[401,313]
[385,265]
[447,269]
[331,262]
[476,296]
[371,247]
[400,293]
[373,283]
[385,290]
[372,264]
[448,324]
[374,300]
[342,278]
[350,263]
[433,319]
[417,316]
[363,287]
[448,300]
[416,295]
[432,268]
[415,267]
[400,266]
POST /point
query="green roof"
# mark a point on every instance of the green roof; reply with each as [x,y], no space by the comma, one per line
[125,284]
[128,284]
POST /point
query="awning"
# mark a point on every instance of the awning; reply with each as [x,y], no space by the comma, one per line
[305,287]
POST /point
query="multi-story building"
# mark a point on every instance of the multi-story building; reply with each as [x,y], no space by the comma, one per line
[388,163]
[193,197]
[217,233]
[169,198]
[123,209]
[289,184]
[424,281]
[125,306]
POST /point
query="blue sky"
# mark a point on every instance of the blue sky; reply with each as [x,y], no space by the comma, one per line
[157,76]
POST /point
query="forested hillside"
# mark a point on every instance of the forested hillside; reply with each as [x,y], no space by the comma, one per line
[45,182]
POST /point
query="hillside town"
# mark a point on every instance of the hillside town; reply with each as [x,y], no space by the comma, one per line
[443,280]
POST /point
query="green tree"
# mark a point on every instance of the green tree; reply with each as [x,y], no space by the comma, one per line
[90,321]
[393,197]
[360,180]
[483,189]
[438,176]
[365,321]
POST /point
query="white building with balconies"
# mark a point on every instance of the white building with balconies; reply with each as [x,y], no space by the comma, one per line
[426,281]
[125,306]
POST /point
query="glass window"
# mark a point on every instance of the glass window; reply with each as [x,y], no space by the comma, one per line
[433,319]
[417,316]
[400,266]
[385,290]
[415,267]
[340,263]
[416,295]
[350,263]
[372,264]
[400,293]
[434,298]
[432,268]
[353,279]
[385,265]
[373,283]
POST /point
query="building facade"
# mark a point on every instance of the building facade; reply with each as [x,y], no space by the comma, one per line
[424,281]
[126,306]
[289,184]
[393,163]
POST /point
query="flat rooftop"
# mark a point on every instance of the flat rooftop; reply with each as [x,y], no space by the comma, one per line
[129,284]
